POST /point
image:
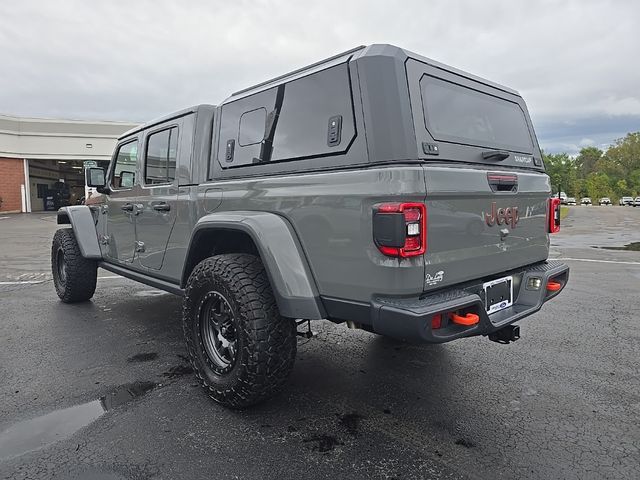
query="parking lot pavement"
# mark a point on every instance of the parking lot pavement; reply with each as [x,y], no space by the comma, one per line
[108,386]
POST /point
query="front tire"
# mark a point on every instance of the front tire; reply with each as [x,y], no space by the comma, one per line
[74,276]
[241,349]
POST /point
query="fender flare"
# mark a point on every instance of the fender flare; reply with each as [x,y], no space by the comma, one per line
[84,229]
[284,260]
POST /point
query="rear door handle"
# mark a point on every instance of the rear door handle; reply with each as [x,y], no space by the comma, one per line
[162,207]
[127,207]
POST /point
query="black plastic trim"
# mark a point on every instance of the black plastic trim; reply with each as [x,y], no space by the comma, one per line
[409,319]
[142,278]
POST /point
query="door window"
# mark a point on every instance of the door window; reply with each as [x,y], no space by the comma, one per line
[160,160]
[124,171]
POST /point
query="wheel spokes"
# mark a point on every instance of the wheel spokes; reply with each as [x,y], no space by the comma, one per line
[62,274]
[219,334]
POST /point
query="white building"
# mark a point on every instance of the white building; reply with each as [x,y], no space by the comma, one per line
[35,153]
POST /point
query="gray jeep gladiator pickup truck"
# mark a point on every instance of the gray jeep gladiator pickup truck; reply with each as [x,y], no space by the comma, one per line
[376,188]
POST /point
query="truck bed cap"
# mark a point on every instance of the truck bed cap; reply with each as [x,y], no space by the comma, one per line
[360,52]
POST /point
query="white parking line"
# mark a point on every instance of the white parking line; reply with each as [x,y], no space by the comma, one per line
[4,218]
[597,261]
[33,282]
[25,282]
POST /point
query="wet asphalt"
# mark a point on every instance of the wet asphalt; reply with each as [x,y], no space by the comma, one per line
[103,390]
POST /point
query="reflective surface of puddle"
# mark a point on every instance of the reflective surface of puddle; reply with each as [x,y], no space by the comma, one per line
[150,293]
[33,434]
[633,246]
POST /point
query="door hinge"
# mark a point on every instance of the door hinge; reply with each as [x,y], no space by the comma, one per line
[104,239]
[139,246]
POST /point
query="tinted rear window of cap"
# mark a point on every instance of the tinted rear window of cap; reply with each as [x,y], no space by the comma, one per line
[458,114]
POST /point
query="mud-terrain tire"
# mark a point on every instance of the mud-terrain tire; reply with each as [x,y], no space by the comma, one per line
[241,349]
[74,276]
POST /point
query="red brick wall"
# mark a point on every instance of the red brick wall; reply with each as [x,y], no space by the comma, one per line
[11,177]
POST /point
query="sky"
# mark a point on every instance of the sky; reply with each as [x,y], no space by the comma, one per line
[575,62]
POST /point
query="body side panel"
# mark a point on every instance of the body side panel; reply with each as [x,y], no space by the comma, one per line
[331,215]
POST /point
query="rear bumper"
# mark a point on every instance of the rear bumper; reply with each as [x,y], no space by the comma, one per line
[410,319]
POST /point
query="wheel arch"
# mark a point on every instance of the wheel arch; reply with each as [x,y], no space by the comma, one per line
[84,228]
[270,237]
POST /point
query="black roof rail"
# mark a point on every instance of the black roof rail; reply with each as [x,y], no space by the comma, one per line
[280,77]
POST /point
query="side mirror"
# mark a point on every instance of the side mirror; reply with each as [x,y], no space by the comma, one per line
[94,177]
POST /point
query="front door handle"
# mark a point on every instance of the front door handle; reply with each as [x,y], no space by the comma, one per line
[127,207]
[162,207]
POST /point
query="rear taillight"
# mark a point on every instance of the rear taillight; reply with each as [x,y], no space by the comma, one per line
[554,215]
[400,229]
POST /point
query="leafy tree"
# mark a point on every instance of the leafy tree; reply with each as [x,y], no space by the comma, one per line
[626,152]
[610,167]
[634,181]
[621,188]
[598,186]
[586,160]
[581,188]
[562,170]
[614,173]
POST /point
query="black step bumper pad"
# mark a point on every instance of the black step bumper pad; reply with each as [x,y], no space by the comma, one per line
[410,319]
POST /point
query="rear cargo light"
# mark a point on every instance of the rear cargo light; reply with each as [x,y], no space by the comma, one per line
[400,229]
[554,215]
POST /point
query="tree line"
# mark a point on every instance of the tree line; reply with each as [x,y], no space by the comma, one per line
[613,173]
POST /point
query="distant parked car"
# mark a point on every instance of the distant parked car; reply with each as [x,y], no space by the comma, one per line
[571,201]
[563,198]
[636,202]
[604,201]
[585,201]
[626,201]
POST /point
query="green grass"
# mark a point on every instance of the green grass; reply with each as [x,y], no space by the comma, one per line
[564,211]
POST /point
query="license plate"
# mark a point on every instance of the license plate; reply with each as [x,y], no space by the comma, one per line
[498,294]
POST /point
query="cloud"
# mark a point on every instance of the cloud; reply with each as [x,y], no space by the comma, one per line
[570,135]
[572,60]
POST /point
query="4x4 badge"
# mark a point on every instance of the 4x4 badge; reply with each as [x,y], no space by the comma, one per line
[502,216]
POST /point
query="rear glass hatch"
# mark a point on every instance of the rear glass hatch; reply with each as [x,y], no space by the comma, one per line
[487,193]
[462,118]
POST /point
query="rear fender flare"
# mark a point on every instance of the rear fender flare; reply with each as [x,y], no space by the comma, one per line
[280,251]
[84,229]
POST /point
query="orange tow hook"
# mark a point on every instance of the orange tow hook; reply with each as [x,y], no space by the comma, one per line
[553,286]
[468,320]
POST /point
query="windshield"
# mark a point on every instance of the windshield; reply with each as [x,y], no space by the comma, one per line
[463,115]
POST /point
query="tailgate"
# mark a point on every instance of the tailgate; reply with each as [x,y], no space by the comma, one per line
[476,228]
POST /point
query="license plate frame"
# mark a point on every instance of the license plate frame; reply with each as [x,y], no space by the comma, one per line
[498,294]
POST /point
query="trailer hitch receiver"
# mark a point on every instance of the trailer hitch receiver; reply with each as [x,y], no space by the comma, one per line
[505,335]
